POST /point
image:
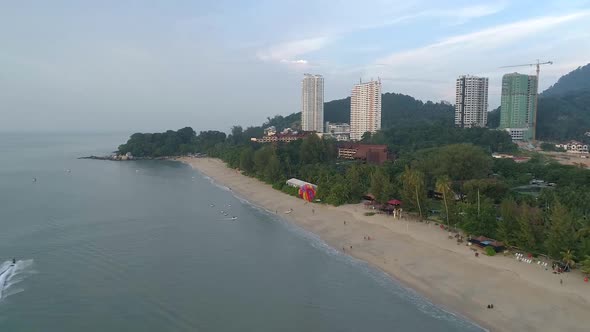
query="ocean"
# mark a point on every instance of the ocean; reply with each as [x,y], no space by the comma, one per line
[138,246]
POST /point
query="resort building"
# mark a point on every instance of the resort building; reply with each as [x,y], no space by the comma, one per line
[471,102]
[286,138]
[365,109]
[312,103]
[518,106]
[373,154]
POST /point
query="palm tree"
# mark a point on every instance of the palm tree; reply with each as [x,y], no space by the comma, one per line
[413,183]
[568,258]
[443,184]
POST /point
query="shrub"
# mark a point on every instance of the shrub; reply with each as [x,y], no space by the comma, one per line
[490,251]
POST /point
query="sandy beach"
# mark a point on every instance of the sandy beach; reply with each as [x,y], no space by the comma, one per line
[526,297]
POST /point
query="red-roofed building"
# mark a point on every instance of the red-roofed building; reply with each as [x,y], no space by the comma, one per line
[370,153]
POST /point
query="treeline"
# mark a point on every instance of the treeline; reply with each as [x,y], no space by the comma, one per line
[476,189]
[403,140]
[171,143]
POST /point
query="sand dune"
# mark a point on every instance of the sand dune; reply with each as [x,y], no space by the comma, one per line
[526,297]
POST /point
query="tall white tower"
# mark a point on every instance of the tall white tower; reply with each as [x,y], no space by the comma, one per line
[312,103]
[471,102]
[365,109]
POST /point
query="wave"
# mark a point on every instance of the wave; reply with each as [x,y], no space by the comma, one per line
[13,274]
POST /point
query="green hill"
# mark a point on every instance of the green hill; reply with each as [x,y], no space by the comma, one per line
[397,110]
[570,83]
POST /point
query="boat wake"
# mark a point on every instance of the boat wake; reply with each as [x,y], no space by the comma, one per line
[12,274]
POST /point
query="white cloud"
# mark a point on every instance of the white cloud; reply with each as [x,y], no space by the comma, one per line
[455,15]
[491,38]
[286,52]
[294,62]
[483,52]
[289,51]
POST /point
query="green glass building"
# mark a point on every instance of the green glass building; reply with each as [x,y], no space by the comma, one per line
[517,113]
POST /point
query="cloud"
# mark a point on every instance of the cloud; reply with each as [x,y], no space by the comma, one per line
[482,52]
[288,52]
[455,15]
[295,62]
[487,39]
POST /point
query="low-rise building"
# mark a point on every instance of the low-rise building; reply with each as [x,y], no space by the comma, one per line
[287,138]
[338,131]
[573,147]
[370,153]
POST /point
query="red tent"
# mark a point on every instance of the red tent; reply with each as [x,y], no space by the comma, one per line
[394,202]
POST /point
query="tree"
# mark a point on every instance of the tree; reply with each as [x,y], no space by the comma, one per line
[489,188]
[237,134]
[339,193]
[380,185]
[247,160]
[458,161]
[561,234]
[479,220]
[567,257]
[443,185]
[414,192]
[272,171]
[585,268]
[508,225]
[261,158]
[525,235]
[312,150]
[354,176]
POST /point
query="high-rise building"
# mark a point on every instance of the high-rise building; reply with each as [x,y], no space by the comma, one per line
[312,103]
[365,109]
[518,105]
[471,105]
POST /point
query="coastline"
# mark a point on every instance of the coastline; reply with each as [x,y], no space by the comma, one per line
[421,257]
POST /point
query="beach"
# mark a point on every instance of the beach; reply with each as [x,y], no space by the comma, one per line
[526,297]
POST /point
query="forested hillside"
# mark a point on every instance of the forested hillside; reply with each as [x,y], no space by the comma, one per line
[574,81]
[397,110]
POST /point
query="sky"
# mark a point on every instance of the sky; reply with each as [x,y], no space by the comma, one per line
[131,66]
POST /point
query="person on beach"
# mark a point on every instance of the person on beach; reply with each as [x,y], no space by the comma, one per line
[561,281]
[345,222]
[313,211]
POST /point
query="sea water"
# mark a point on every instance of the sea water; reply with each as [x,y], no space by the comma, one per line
[138,246]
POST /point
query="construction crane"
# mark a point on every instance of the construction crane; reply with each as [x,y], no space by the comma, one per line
[538,64]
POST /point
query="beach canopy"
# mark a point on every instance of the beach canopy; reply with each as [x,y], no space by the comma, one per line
[369,197]
[394,202]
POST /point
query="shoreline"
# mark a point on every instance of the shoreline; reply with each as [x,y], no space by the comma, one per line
[421,257]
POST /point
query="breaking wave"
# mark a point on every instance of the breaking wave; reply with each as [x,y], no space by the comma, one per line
[12,274]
